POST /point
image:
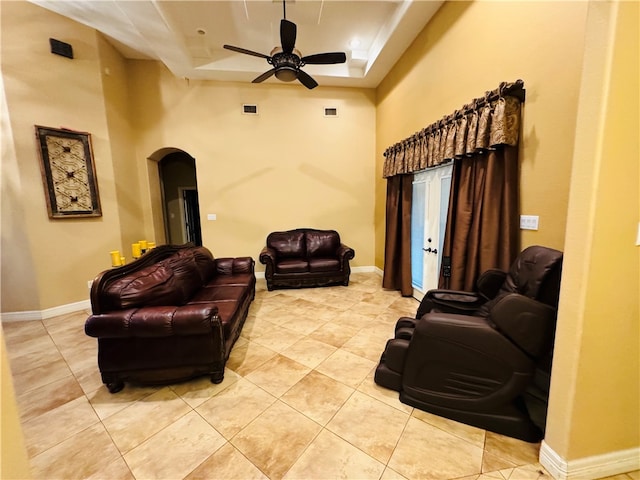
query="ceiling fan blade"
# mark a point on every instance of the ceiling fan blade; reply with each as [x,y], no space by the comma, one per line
[306,80]
[264,76]
[245,51]
[325,58]
[288,32]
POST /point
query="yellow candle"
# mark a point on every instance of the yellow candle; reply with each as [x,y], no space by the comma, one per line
[122,260]
[115,258]
[135,250]
[143,244]
[151,245]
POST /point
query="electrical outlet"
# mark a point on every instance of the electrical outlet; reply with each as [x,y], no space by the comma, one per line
[529,222]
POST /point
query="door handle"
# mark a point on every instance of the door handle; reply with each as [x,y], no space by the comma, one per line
[428,250]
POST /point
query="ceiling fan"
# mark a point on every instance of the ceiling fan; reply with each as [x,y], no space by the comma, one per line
[287,60]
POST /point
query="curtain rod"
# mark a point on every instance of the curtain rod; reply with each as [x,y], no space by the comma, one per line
[513,89]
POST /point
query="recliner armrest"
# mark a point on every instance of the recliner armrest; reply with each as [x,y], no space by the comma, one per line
[526,322]
[489,283]
[450,301]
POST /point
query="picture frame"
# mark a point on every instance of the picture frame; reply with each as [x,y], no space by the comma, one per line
[68,173]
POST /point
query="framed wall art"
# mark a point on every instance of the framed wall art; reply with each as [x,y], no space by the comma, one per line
[68,173]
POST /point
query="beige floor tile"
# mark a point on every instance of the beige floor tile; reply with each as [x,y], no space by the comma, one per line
[234,407]
[385,395]
[89,379]
[243,360]
[196,392]
[471,434]
[366,345]
[329,456]
[425,451]
[530,472]
[35,354]
[116,470]
[278,338]
[34,378]
[275,440]
[227,463]
[334,334]
[16,333]
[635,475]
[391,474]
[306,323]
[57,425]
[106,403]
[491,463]
[176,450]
[346,367]
[133,425]
[256,326]
[370,425]
[48,397]
[278,375]
[88,454]
[317,396]
[515,451]
[309,352]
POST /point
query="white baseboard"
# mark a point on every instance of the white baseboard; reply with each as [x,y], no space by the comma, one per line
[589,468]
[47,313]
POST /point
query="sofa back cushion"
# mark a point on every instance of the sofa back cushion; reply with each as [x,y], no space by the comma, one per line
[322,243]
[287,244]
[150,286]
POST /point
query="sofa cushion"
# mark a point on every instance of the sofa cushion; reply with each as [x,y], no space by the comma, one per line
[287,244]
[245,279]
[150,286]
[219,293]
[292,265]
[204,261]
[186,274]
[322,243]
[324,265]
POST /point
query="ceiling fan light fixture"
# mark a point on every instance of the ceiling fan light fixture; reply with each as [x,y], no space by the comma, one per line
[286,74]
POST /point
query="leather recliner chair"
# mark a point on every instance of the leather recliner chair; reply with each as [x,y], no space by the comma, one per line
[482,358]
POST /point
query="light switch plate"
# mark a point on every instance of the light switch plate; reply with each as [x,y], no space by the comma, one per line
[529,222]
[211,216]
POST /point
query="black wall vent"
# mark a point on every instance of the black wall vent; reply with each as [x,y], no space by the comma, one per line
[61,48]
[330,112]
[249,109]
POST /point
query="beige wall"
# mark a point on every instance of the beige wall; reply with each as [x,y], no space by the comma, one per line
[469,48]
[287,167]
[596,372]
[44,89]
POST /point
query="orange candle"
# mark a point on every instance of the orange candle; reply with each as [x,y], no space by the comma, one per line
[136,251]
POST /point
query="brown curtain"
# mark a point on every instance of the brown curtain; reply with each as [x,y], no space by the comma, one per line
[482,224]
[397,250]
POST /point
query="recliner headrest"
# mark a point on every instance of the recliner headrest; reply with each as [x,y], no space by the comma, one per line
[531,269]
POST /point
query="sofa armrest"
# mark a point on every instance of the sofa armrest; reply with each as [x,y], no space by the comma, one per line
[229,266]
[268,256]
[345,253]
[449,301]
[165,321]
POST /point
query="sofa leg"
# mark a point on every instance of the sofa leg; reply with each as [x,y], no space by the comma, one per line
[217,378]
[115,387]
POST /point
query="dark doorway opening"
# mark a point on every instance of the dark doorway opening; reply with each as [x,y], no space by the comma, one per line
[180,198]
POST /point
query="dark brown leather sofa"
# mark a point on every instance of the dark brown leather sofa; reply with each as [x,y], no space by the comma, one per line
[306,257]
[169,316]
[484,357]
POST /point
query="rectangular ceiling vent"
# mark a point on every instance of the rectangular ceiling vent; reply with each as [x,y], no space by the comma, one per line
[61,48]
[249,109]
[330,112]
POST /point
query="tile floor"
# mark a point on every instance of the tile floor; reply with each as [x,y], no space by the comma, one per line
[288,408]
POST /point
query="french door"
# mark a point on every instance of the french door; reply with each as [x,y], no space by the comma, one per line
[430,202]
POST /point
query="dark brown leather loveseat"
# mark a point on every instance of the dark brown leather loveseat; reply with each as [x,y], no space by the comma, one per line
[169,316]
[306,257]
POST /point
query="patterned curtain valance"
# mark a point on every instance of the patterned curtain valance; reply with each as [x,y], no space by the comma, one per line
[481,125]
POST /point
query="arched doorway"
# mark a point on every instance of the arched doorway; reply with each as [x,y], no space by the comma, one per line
[179,189]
